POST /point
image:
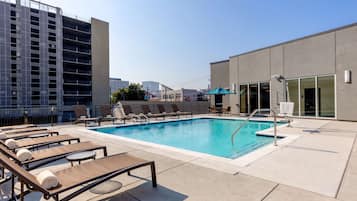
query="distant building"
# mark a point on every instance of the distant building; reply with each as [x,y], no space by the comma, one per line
[151,88]
[116,84]
[180,95]
[48,59]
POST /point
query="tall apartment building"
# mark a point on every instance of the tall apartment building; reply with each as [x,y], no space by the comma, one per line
[48,59]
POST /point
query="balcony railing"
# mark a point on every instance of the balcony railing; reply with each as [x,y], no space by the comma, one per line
[76,28]
[77,93]
[77,50]
[77,82]
[77,40]
[77,71]
[76,61]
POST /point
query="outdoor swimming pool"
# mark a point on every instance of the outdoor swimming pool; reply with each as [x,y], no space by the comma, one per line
[205,135]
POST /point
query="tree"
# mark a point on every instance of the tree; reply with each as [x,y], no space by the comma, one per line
[132,92]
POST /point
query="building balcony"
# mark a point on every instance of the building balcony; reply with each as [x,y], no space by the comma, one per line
[76,40]
[77,72]
[77,82]
[76,29]
[77,93]
[76,61]
[77,50]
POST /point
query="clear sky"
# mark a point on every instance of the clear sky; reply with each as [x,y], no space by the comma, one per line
[173,41]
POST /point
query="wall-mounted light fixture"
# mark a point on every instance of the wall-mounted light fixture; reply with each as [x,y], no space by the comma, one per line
[234,87]
[348,76]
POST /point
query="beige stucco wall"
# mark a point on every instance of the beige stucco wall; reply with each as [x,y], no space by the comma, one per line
[233,78]
[346,59]
[219,78]
[327,53]
[276,68]
[100,62]
[254,67]
[310,56]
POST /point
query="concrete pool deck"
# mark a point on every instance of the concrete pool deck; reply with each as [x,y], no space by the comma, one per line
[319,165]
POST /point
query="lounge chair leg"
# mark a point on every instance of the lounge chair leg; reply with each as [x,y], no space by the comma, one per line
[13,187]
[129,174]
[22,191]
[2,172]
[105,153]
[153,175]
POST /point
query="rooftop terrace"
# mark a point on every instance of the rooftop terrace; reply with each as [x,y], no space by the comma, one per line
[319,164]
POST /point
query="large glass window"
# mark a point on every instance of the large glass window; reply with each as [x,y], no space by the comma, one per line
[253,97]
[264,95]
[326,98]
[243,98]
[293,94]
[308,97]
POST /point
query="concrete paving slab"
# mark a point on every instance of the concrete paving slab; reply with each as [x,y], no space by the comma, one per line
[348,187]
[312,162]
[206,184]
[286,193]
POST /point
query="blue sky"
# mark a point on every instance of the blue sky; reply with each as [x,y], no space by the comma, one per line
[173,41]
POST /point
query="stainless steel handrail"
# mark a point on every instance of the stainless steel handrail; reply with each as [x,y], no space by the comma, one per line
[247,120]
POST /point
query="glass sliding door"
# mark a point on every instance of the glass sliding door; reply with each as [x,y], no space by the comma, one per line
[326,98]
[253,97]
[264,95]
[293,94]
[243,91]
[308,97]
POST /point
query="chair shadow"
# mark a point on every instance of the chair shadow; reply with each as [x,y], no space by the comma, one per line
[145,192]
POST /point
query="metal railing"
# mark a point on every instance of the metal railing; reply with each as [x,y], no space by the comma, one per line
[247,120]
[36,115]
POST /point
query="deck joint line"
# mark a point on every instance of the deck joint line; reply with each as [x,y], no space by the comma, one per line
[276,186]
[345,169]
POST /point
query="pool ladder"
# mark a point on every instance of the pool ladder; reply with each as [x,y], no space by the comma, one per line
[247,120]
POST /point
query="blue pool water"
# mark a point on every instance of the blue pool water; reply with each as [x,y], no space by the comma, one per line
[206,135]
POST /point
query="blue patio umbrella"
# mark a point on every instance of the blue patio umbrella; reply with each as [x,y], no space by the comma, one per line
[219,91]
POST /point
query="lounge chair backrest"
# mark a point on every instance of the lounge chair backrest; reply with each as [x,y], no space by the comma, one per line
[105,110]
[118,112]
[23,175]
[146,109]
[80,110]
[127,109]
[161,108]
[175,108]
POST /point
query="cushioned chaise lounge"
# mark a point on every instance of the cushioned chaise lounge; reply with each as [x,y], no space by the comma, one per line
[106,112]
[84,176]
[27,134]
[163,111]
[148,113]
[24,130]
[43,141]
[81,115]
[129,112]
[21,126]
[46,156]
[178,112]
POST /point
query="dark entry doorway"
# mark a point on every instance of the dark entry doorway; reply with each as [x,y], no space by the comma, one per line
[309,102]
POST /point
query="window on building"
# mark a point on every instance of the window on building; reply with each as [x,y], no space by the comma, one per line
[253,97]
[293,94]
[243,90]
[308,97]
[326,96]
[264,95]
